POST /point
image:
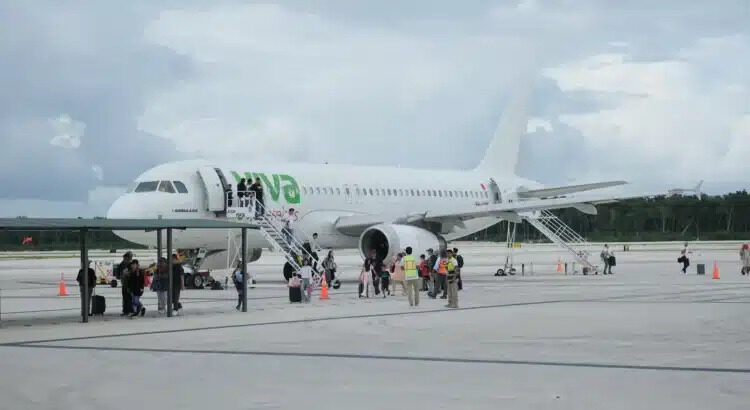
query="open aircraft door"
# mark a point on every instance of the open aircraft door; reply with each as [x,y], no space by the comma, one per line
[213,187]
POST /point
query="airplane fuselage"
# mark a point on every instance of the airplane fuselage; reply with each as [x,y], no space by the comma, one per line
[318,193]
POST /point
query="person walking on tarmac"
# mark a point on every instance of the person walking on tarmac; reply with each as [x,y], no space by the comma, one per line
[442,273]
[684,259]
[123,270]
[424,272]
[432,280]
[178,274]
[460,260]
[452,277]
[136,284]
[92,283]
[604,255]
[385,277]
[397,274]
[411,277]
[745,259]
[237,280]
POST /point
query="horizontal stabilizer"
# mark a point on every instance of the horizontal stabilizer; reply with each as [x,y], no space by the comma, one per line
[569,189]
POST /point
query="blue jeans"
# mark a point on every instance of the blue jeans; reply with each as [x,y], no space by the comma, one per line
[306,290]
[137,305]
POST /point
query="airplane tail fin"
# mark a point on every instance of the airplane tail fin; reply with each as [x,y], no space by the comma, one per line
[698,190]
[501,157]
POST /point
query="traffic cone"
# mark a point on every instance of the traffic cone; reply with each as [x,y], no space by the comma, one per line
[559,266]
[61,290]
[324,289]
[716,271]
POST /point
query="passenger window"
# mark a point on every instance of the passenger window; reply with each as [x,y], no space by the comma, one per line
[440,194]
[338,191]
[348,192]
[450,194]
[371,192]
[389,191]
[149,186]
[358,191]
[401,192]
[364,191]
[181,188]
[317,190]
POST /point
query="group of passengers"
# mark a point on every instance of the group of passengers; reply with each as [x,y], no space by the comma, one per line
[434,273]
[246,192]
[134,280]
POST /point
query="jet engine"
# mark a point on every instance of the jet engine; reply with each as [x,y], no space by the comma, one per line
[387,240]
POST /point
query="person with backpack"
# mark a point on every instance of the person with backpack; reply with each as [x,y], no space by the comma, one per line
[460,260]
[604,255]
[88,293]
[160,284]
[745,259]
[684,259]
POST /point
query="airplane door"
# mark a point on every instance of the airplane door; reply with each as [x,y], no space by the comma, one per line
[495,195]
[213,188]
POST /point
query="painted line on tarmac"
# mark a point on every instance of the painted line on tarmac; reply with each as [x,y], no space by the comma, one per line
[592,365]
[281,322]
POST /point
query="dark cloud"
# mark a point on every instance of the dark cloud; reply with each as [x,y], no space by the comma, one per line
[87,60]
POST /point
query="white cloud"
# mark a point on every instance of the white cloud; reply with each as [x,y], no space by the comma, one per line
[274,81]
[661,115]
[536,124]
[98,172]
[68,132]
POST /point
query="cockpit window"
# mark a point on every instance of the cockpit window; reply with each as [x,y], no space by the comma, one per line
[149,186]
[181,188]
[166,186]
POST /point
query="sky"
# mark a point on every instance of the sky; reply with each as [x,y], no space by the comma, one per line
[95,93]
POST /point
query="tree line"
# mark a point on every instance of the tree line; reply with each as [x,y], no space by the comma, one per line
[676,218]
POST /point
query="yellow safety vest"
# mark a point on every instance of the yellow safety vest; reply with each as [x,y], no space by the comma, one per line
[450,266]
[410,267]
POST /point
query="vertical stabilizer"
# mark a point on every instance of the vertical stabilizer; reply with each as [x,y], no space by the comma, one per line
[501,157]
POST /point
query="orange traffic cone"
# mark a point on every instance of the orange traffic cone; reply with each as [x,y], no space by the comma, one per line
[716,271]
[559,266]
[61,290]
[324,289]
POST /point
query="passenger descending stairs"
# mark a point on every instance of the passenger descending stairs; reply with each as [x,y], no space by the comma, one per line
[561,234]
[272,230]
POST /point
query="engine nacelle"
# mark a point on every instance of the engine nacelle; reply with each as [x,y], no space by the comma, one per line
[388,240]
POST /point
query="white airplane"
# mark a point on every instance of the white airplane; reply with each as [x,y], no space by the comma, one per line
[364,207]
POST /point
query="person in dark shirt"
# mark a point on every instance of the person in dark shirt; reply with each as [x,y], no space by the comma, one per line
[241,188]
[136,283]
[123,275]
[178,274]
[258,190]
[92,283]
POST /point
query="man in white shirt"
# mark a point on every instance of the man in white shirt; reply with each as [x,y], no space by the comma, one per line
[288,221]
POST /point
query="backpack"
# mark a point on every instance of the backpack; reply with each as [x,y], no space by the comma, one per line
[460,260]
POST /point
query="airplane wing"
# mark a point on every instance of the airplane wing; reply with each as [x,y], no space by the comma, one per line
[563,190]
[510,210]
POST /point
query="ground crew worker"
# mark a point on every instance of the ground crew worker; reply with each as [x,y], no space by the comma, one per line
[411,277]
[442,272]
[452,265]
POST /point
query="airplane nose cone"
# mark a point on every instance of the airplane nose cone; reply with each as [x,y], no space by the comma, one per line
[117,209]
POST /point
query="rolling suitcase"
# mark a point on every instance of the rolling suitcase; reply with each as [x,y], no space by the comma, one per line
[295,294]
[612,261]
[98,305]
[295,290]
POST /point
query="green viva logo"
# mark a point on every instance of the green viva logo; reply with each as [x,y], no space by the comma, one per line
[275,186]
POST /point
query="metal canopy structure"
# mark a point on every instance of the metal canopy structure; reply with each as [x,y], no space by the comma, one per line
[84,225]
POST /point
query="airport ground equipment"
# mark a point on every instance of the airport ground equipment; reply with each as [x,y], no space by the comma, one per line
[510,244]
[562,235]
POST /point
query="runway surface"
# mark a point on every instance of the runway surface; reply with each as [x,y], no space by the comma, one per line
[646,337]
